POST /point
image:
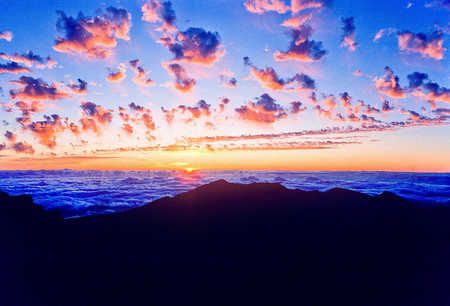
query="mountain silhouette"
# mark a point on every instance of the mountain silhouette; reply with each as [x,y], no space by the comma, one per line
[230,244]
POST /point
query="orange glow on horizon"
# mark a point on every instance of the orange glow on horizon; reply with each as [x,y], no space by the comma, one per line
[368,158]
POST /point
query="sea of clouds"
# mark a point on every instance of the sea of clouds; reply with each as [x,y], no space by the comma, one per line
[80,193]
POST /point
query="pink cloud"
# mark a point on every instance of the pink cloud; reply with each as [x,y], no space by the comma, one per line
[321,112]
[117,76]
[127,128]
[383,32]
[183,82]
[36,90]
[264,111]
[296,22]
[262,6]
[142,115]
[389,85]
[141,76]
[6,35]
[46,131]
[227,79]
[387,107]
[155,11]
[427,45]
[29,59]
[422,87]
[346,101]
[13,67]
[200,109]
[297,107]
[195,45]
[268,78]
[348,38]
[93,37]
[80,88]
[94,117]
[301,47]
[23,147]
[10,136]
[300,5]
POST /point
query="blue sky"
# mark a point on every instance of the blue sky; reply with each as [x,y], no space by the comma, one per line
[240,33]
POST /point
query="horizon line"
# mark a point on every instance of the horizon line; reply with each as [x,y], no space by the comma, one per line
[219,170]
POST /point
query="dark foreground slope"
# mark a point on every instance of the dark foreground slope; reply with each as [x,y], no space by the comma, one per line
[230,244]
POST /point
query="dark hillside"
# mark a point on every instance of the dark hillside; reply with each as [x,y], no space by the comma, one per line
[230,244]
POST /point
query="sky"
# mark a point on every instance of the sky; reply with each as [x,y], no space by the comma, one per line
[225,84]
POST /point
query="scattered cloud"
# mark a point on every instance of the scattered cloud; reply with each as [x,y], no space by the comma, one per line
[346,101]
[92,37]
[348,37]
[439,4]
[442,111]
[383,32]
[228,82]
[369,110]
[265,110]
[268,78]
[13,67]
[297,107]
[297,21]
[300,5]
[46,131]
[141,77]
[155,11]
[127,128]
[29,59]
[139,114]
[387,107]
[279,6]
[36,90]
[262,6]
[23,147]
[80,88]
[94,117]
[302,48]
[195,45]
[6,35]
[421,86]
[428,45]
[200,109]
[96,38]
[183,82]
[227,79]
[117,76]
[389,85]
[10,136]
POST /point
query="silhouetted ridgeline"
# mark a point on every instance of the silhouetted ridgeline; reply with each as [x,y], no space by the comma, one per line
[230,244]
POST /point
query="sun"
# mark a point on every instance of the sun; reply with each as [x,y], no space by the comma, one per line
[190,170]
